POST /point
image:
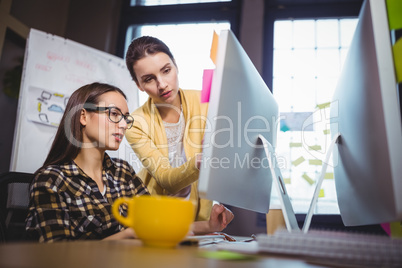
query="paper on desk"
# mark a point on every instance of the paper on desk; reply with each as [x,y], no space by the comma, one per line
[203,240]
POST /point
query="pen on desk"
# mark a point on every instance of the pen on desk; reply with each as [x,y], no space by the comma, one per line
[253,238]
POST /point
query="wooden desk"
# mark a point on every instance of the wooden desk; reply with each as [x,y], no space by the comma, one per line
[125,253]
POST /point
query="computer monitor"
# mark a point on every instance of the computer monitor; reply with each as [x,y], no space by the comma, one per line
[366,113]
[240,135]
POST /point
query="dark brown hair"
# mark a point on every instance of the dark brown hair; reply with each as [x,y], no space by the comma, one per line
[68,140]
[141,47]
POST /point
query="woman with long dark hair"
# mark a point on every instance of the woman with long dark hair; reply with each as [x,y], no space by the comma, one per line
[72,193]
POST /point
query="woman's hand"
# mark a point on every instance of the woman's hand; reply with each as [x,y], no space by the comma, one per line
[127,233]
[219,219]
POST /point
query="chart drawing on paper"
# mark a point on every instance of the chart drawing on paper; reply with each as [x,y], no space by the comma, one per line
[46,106]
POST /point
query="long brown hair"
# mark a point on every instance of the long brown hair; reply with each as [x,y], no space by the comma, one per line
[68,139]
[141,47]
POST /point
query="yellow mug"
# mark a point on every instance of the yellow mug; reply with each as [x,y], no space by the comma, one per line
[160,221]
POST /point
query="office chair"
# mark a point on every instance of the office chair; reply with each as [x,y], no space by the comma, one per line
[14,201]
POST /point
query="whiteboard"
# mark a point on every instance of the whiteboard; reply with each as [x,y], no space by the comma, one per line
[54,67]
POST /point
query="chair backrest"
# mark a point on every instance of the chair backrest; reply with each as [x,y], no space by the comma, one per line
[14,201]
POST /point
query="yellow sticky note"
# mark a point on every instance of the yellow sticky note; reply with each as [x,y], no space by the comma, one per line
[323,105]
[298,161]
[397,49]
[329,175]
[394,8]
[287,180]
[315,147]
[322,193]
[327,131]
[295,144]
[396,229]
[214,47]
[308,179]
[315,162]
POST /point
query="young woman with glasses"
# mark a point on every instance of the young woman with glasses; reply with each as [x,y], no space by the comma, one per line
[72,193]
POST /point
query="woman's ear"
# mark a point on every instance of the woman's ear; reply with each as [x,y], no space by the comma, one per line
[83,117]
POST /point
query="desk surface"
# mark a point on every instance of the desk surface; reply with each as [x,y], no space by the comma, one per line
[125,253]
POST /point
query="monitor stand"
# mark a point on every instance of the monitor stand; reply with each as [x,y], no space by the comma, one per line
[313,203]
[287,208]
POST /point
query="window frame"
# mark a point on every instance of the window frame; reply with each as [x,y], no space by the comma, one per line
[299,9]
[171,14]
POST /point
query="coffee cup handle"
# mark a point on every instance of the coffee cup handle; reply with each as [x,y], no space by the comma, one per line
[126,221]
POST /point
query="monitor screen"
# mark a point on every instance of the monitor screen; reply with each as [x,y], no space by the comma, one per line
[235,168]
[366,113]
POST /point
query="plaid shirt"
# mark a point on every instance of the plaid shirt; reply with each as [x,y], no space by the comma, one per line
[66,204]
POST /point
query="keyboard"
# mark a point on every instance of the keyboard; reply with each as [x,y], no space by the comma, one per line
[335,248]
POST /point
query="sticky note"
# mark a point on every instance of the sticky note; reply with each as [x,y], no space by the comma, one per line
[327,131]
[315,147]
[396,229]
[315,162]
[329,175]
[394,8]
[214,47]
[287,180]
[206,85]
[225,255]
[397,49]
[295,144]
[323,105]
[322,193]
[386,227]
[308,179]
[298,161]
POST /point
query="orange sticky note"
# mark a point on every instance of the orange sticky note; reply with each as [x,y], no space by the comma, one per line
[206,85]
[214,47]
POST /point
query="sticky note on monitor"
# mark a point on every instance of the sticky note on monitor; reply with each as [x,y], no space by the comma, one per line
[394,8]
[214,47]
[397,50]
[206,85]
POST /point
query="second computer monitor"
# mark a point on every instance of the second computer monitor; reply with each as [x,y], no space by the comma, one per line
[235,170]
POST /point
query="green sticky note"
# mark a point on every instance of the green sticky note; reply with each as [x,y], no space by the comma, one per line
[315,147]
[224,255]
[308,179]
[295,144]
[287,180]
[327,131]
[394,8]
[329,175]
[397,49]
[396,229]
[298,161]
[323,105]
[315,162]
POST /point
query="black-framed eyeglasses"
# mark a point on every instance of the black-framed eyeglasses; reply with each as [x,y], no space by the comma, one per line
[114,113]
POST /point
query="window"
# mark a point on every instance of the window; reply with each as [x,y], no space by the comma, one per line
[190,44]
[186,29]
[308,57]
